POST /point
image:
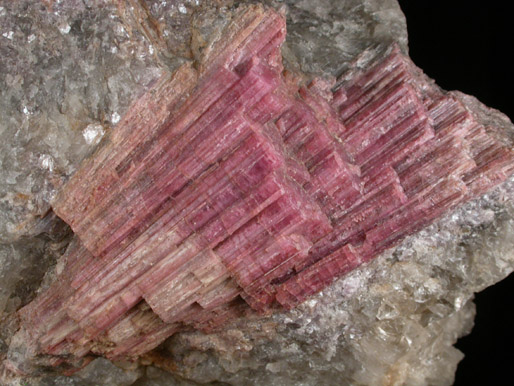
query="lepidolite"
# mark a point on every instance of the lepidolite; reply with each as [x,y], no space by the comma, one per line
[236,186]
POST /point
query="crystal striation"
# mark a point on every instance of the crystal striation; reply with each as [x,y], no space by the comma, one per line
[238,187]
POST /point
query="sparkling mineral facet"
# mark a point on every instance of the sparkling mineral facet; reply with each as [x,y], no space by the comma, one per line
[236,187]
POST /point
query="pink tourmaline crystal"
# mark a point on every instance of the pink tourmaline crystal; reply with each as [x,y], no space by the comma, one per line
[232,188]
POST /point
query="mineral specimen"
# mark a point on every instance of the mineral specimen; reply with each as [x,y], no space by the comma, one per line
[237,186]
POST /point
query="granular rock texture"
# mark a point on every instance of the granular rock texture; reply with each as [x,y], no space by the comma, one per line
[393,321]
[252,189]
[70,69]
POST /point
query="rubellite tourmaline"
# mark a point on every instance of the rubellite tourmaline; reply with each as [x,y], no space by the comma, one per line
[233,187]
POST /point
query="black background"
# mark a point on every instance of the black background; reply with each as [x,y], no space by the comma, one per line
[466,46]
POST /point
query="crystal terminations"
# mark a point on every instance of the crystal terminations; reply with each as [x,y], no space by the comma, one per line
[234,187]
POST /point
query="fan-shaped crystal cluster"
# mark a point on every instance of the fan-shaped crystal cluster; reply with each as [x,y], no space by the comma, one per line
[235,187]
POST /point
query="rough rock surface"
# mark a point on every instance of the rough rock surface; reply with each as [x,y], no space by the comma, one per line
[393,321]
[71,68]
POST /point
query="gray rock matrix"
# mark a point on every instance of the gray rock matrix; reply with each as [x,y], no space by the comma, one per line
[69,69]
